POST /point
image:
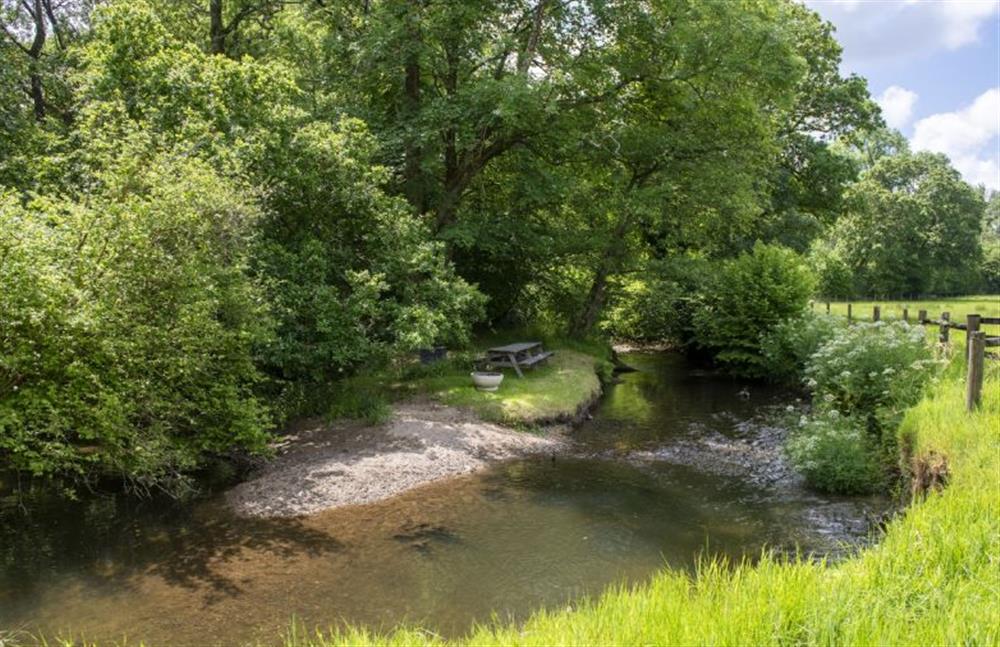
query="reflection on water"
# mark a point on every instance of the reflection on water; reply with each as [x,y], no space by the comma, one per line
[667,399]
[526,534]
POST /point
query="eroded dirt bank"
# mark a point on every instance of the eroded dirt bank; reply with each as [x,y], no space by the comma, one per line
[323,466]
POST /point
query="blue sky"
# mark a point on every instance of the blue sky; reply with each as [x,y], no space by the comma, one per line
[934,67]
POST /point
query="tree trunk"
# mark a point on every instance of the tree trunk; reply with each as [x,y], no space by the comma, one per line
[527,54]
[217,28]
[452,181]
[37,94]
[587,319]
[413,180]
[448,206]
[610,263]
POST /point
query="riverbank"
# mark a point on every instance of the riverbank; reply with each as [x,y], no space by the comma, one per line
[928,581]
[444,428]
[330,465]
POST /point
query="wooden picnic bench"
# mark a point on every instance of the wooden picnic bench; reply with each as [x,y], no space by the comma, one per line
[518,356]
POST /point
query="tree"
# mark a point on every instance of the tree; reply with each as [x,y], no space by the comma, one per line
[913,227]
[991,244]
[337,253]
[128,325]
[813,173]
[41,31]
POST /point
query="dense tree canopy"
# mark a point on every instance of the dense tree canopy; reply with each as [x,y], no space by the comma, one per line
[913,227]
[214,207]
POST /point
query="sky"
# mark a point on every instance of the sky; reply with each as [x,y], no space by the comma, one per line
[934,68]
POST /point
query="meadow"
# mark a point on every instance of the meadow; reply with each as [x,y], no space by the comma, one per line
[987,305]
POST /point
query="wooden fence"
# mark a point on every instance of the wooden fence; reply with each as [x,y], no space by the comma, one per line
[976,343]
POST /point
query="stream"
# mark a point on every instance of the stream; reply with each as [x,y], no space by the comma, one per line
[674,465]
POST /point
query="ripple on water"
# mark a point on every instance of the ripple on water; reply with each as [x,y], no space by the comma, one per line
[522,535]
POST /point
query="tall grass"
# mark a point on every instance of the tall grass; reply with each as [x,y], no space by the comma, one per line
[932,579]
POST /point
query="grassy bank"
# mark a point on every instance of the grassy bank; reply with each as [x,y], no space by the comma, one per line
[567,383]
[932,579]
[987,305]
[555,391]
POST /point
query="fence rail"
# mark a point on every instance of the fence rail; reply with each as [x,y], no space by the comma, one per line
[976,343]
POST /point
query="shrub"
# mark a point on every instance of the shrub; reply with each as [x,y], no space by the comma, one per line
[747,296]
[657,307]
[788,346]
[835,454]
[359,399]
[870,373]
[128,326]
[834,278]
[990,269]
[641,312]
[873,371]
[354,275]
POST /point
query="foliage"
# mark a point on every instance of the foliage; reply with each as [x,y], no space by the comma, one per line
[991,265]
[870,373]
[873,371]
[128,326]
[991,244]
[913,227]
[659,306]
[834,453]
[352,272]
[746,298]
[359,399]
[788,346]
[834,278]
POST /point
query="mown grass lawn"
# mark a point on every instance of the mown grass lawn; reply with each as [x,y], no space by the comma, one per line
[552,392]
[932,579]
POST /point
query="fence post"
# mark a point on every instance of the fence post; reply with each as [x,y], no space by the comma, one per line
[974,378]
[971,326]
[849,317]
[906,315]
[827,307]
[876,313]
[945,318]
[922,316]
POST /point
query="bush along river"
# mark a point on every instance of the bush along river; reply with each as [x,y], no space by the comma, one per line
[674,465]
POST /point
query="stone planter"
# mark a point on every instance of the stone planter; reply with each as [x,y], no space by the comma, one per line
[487,381]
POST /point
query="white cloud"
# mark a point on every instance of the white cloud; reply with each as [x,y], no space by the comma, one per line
[896,30]
[969,136]
[897,106]
[961,20]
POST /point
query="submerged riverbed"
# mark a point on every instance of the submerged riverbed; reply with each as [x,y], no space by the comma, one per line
[673,466]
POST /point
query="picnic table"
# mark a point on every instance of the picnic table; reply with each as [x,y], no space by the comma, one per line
[517,356]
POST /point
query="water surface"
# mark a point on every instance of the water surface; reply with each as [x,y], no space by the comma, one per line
[646,491]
